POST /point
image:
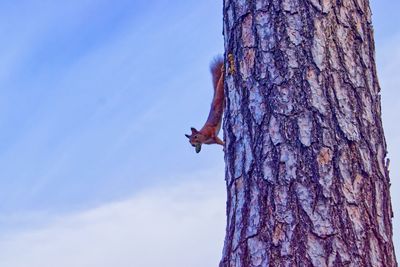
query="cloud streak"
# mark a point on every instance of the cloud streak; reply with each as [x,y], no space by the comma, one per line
[176,226]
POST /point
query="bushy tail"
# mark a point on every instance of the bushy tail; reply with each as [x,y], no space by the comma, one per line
[216,68]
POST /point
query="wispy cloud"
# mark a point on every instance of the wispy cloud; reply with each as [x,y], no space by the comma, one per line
[175,226]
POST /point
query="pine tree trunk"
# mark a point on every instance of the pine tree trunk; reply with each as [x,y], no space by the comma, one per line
[307,182]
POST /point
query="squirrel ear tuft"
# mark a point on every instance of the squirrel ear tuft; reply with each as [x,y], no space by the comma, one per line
[194,130]
[188,136]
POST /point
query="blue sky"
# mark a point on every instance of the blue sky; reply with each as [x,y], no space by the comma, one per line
[93,91]
[95,97]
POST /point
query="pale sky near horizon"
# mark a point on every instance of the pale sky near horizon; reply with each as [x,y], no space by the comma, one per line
[95,96]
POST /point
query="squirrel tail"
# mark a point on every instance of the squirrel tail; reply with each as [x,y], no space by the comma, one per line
[216,70]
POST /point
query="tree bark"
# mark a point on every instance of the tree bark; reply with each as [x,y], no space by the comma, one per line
[307,181]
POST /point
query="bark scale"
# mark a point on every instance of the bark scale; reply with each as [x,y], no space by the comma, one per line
[307,182]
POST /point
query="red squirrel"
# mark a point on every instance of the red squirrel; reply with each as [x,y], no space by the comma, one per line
[209,133]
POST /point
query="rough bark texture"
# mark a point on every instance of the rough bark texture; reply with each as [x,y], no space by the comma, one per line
[307,181]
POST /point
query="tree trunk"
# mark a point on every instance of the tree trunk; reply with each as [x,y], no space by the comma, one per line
[307,182]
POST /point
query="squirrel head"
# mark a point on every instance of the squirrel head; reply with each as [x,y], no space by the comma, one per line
[196,139]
